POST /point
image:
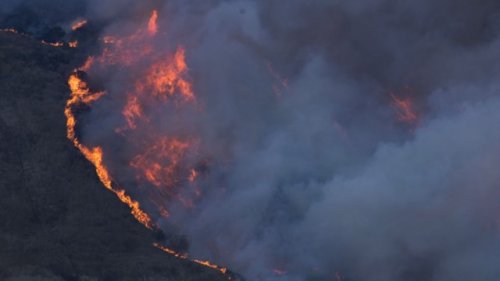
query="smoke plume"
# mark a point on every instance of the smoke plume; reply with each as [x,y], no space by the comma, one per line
[305,140]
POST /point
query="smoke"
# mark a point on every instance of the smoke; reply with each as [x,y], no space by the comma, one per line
[305,170]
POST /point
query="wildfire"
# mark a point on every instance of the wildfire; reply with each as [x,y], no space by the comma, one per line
[193,175]
[404,109]
[129,49]
[80,94]
[159,164]
[185,256]
[165,78]
[153,23]
[72,44]
[161,161]
[53,44]
[9,30]
[132,111]
[87,65]
[78,24]
[211,265]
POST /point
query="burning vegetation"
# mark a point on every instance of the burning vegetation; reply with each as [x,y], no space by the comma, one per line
[165,164]
[81,95]
[78,24]
[59,199]
[57,44]
[405,110]
[10,30]
[185,256]
[275,149]
[404,107]
[161,164]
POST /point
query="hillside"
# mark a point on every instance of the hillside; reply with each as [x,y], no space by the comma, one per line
[57,222]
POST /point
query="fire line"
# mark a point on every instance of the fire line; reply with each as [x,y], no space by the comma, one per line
[163,81]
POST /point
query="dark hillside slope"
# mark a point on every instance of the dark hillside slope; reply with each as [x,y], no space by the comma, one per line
[57,222]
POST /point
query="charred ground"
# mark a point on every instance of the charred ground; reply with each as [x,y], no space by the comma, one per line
[57,222]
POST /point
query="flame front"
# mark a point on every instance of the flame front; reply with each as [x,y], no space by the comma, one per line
[159,159]
[81,95]
[185,256]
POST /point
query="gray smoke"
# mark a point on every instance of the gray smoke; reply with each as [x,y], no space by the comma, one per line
[318,178]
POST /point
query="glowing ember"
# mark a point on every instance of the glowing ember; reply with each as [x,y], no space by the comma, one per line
[9,30]
[88,64]
[54,44]
[185,256]
[153,23]
[282,84]
[78,24]
[211,265]
[404,109]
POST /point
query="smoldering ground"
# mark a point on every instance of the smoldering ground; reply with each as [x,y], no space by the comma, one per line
[310,172]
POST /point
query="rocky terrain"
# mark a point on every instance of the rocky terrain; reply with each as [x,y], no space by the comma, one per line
[57,222]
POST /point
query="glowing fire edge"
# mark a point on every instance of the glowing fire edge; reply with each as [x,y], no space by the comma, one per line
[81,95]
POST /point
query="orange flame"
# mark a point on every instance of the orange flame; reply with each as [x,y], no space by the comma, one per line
[9,30]
[165,78]
[160,163]
[78,24]
[80,94]
[211,265]
[132,111]
[88,64]
[54,44]
[193,175]
[164,213]
[153,23]
[404,109]
[185,256]
[129,49]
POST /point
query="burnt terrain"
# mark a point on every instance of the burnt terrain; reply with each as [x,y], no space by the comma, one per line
[57,222]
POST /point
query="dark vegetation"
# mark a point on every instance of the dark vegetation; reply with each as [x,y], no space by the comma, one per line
[57,222]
